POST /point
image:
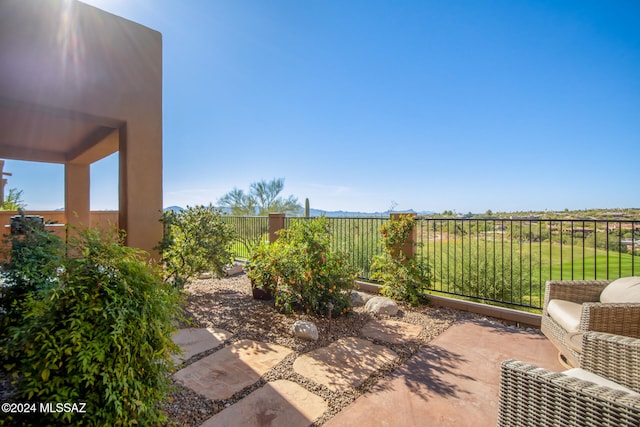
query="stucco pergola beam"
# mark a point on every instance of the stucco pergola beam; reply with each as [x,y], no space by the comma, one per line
[8,151]
[101,143]
[54,112]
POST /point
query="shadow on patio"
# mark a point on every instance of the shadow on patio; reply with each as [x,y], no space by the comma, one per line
[453,381]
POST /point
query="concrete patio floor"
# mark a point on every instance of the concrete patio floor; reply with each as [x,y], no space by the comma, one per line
[452,381]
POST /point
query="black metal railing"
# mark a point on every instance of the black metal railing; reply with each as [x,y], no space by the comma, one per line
[504,261]
[358,237]
[509,260]
[250,231]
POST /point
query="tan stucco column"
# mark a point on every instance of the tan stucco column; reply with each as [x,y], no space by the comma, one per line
[77,194]
[276,223]
[409,246]
[141,184]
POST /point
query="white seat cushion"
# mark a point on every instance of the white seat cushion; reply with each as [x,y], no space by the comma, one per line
[597,379]
[623,290]
[565,313]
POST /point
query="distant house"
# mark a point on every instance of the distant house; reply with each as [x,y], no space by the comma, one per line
[578,230]
[624,227]
[630,242]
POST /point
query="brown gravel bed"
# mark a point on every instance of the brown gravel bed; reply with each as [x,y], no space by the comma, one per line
[227,304]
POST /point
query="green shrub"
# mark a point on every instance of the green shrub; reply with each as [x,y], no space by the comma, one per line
[403,279]
[100,334]
[196,240]
[305,271]
[33,262]
[269,265]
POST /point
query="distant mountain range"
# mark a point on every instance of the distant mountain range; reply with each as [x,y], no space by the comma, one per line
[329,214]
[174,209]
[347,214]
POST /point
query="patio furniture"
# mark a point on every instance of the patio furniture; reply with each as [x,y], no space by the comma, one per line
[604,391]
[590,305]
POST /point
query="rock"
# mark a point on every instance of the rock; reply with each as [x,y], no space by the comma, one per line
[381,305]
[359,298]
[205,275]
[234,269]
[305,330]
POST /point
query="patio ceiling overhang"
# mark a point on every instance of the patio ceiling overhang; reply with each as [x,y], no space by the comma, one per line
[46,134]
[78,84]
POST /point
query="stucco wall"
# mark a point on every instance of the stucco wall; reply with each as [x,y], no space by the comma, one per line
[56,222]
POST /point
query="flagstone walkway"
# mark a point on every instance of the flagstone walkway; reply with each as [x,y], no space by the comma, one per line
[453,380]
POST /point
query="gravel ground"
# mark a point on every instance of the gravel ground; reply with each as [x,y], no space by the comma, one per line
[227,304]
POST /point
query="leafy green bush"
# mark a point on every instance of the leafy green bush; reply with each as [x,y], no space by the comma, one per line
[403,279]
[304,270]
[196,240]
[268,265]
[33,262]
[99,334]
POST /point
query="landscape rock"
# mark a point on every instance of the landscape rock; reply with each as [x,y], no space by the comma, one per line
[234,269]
[305,330]
[359,298]
[381,305]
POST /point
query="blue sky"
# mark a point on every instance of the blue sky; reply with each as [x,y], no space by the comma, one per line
[361,105]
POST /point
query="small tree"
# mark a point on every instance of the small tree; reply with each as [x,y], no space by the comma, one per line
[263,198]
[13,201]
[195,240]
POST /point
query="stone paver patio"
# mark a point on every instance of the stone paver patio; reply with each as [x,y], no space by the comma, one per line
[278,403]
[345,363]
[229,370]
[198,340]
[391,331]
[452,381]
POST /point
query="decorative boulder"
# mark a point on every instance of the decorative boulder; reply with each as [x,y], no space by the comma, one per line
[381,305]
[359,298]
[305,330]
[234,269]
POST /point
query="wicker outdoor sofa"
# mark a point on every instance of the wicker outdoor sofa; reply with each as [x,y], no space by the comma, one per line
[532,396]
[583,305]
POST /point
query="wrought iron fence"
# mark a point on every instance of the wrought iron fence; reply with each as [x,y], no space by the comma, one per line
[506,261]
[250,231]
[509,260]
[358,237]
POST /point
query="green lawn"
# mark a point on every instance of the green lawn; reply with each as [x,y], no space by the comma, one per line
[597,267]
[527,267]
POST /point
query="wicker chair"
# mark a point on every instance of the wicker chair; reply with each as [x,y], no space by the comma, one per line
[532,396]
[613,318]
